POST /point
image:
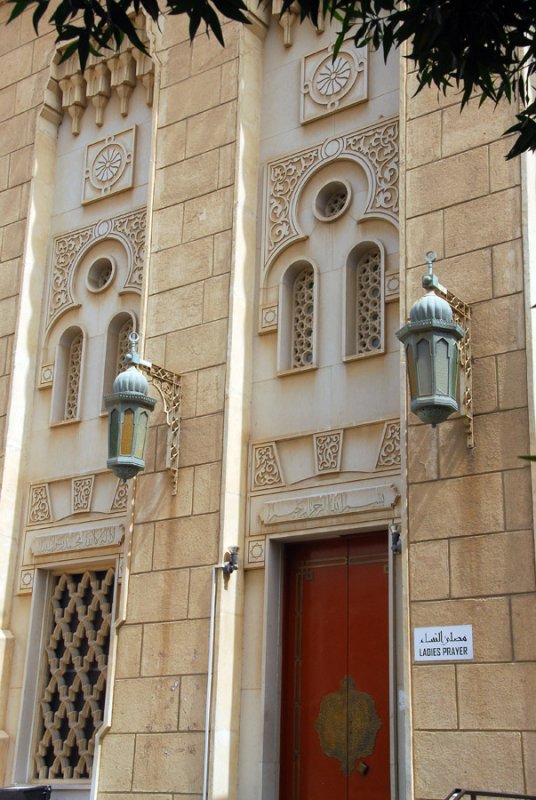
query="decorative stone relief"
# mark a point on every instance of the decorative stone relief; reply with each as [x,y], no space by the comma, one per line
[389,455]
[40,507]
[328,451]
[72,701]
[256,549]
[392,288]
[84,539]
[68,249]
[46,377]
[375,148]
[269,318]
[373,498]
[26,580]
[329,85]
[267,470]
[119,72]
[109,166]
[82,492]
[120,500]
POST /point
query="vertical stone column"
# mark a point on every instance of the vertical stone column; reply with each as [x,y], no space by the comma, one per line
[197,295]
[471,550]
[27,138]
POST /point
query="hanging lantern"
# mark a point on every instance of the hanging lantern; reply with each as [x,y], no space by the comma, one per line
[431,341]
[129,408]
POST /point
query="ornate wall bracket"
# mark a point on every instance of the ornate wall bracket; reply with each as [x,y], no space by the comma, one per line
[461,312]
[168,385]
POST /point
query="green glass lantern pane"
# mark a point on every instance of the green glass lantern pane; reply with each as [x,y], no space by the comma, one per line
[113,433]
[424,368]
[411,371]
[141,434]
[127,432]
[441,367]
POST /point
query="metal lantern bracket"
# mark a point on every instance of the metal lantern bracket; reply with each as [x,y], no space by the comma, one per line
[168,385]
[462,315]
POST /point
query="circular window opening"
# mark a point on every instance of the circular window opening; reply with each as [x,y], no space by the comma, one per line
[100,274]
[332,201]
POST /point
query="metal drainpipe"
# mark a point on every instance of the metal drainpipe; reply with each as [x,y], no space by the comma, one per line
[228,568]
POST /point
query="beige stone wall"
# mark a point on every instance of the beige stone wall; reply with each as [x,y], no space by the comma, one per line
[199,227]
[24,69]
[471,548]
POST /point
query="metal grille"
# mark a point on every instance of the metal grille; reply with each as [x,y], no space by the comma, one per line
[73,378]
[369,303]
[76,665]
[302,318]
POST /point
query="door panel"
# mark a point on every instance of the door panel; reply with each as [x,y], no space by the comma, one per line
[335,691]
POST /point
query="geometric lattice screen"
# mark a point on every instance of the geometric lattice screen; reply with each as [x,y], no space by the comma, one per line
[369,326]
[76,665]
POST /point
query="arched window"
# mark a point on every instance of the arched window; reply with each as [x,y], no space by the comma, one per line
[117,346]
[68,376]
[298,301]
[365,321]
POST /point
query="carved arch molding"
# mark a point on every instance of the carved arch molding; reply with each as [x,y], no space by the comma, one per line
[374,148]
[129,229]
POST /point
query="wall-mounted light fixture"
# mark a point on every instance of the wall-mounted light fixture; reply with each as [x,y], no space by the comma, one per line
[437,341]
[129,407]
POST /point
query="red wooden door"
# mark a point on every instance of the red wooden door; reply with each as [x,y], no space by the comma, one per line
[335,691]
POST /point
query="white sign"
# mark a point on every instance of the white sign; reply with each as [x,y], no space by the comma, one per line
[452,643]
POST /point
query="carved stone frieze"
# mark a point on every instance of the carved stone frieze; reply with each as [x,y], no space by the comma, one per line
[84,539]
[69,248]
[389,455]
[329,85]
[109,166]
[82,489]
[267,472]
[40,508]
[328,451]
[329,504]
[375,148]
[392,287]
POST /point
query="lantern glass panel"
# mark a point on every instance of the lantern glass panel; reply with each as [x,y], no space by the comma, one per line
[127,432]
[141,433]
[442,367]
[113,433]
[424,367]
[410,361]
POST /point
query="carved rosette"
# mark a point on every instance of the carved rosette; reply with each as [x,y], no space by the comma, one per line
[40,507]
[328,451]
[267,471]
[375,148]
[82,491]
[389,455]
[68,249]
[109,166]
[329,84]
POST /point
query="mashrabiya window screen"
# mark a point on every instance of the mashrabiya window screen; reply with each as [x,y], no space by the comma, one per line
[75,674]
